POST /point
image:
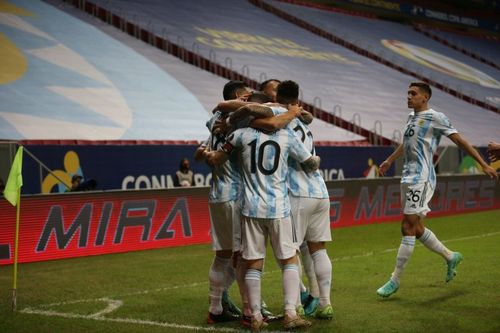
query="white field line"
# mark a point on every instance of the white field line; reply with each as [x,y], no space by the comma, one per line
[50,313]
[113,304]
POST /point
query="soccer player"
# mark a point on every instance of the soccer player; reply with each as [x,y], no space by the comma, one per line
[310,212]
[422,134]
[265,210]
[308,191]
[224,218]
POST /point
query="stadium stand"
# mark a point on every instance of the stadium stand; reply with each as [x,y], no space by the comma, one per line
[403,47]
[83,83]
[257,42]
[483,48]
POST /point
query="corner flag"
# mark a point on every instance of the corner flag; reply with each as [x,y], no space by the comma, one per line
[15,180]
[12,193]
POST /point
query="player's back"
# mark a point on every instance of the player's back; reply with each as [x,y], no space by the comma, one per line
[264,165]
[301,183]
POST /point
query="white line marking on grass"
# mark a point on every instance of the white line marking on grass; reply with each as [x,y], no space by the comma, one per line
[133,321]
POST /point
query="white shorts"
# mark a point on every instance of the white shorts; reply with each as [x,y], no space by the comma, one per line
[311,216]
[415,198]
[255,232]
[225,225]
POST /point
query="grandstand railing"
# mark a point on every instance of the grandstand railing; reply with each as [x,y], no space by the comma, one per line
[192,57]
[369,54]
[421,28]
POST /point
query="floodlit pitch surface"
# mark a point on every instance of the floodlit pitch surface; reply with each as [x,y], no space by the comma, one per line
[167,291]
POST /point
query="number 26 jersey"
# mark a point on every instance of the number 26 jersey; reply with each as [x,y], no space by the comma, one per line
[422,135]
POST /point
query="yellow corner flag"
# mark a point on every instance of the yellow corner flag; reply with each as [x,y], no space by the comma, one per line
[12,193]
[15,180]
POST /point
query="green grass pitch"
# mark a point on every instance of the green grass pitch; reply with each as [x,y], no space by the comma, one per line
[167,291]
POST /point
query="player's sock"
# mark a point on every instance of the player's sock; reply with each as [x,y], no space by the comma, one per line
[229,276]
[252,281]
[308,264]
[431,242]
[323,269]
[404,254]
[291,288]
[240,279]
[216,283]
[302,287]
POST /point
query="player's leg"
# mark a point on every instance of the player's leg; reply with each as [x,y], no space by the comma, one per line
[308,264]
[283,241]
[409,225]
[404,253]
[300,213]
[253,249]
[222,245]
[430,241]
[319,232]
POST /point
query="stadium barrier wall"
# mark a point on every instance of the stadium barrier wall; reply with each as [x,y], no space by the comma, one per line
[153,166]
[59,226]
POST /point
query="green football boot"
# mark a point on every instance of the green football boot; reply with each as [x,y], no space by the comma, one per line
[388,289]
[452,266]
[227,304]
[324,313]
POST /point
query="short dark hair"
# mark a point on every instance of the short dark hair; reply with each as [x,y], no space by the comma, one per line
[264,84]
[288,92]
[259,97]
[230,89]
[424,87]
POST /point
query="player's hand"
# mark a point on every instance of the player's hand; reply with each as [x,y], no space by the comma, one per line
[294,108]
[220,127]
[494,151]
[384,166]
[245,96]
[490,172]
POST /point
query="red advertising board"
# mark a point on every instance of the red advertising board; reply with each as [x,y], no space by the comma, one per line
[93,223]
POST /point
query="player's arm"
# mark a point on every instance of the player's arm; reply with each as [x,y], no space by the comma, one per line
[215,158]
[311,164]
[250,110]
[385,165]
[274,123]
[465,146]
[199,154]
[305,116]
[230,106]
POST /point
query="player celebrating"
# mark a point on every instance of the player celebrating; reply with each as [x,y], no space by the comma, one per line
[422,134]
[224,217]
[265,210]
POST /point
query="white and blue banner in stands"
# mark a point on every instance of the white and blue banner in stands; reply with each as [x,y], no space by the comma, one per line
[62,78]
[125,167]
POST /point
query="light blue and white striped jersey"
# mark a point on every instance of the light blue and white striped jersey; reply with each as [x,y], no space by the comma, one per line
[226,179]
[264,165]
[422,134]
[301,183]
